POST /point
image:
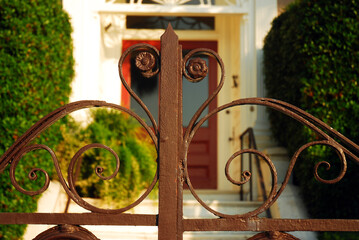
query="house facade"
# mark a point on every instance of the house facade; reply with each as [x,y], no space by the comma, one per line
[235,29]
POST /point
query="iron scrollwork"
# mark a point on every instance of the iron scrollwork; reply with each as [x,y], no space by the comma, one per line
[192,72]
[194,69]
[146,60]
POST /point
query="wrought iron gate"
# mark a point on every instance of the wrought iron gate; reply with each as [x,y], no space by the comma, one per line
[172,147]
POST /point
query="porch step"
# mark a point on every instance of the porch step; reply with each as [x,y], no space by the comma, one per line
[191,209]
[280,159]
[224,202]
[150,233]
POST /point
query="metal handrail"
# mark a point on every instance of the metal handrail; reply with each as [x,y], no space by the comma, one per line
[252,145]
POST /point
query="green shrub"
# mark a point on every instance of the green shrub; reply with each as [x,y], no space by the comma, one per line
[36,66]
[136,152]
[311,60]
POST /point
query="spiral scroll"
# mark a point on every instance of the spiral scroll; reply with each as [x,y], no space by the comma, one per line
[297,114]
[191,76]
[195,70]
[15,153]
[33,173]
[146,62]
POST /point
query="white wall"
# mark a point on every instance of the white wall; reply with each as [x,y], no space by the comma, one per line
[86,41]
[87,84]
[266,11]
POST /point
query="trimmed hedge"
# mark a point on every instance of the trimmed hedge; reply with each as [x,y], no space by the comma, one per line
[36,66]
[311,60]
[135,150]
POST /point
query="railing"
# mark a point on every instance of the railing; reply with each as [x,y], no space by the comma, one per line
[251,144]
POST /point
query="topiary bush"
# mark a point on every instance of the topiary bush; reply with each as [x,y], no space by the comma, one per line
[136,152]
[311,60]
[36,66]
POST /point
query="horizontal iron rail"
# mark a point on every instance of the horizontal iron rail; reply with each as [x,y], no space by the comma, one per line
[266,224]
[79,219]
[218,224]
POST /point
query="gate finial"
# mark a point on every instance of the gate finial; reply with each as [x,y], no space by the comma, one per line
[169,34]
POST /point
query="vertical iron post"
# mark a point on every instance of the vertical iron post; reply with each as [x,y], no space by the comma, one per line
[170,139]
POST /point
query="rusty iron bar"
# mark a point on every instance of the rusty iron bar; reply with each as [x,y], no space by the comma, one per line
[220,224]
[270,224]
[253,145]
[170,139]
[124,219]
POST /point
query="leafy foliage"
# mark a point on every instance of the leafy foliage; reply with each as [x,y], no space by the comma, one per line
[136,152]
[36,66]
[311,59]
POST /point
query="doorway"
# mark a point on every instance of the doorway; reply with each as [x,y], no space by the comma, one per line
[202,155]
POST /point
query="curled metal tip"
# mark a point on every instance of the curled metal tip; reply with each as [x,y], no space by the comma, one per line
[146,62]
[197,69]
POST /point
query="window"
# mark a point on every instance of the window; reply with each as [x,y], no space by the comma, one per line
[178,23]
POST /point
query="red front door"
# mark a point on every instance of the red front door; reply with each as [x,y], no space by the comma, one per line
[202,156]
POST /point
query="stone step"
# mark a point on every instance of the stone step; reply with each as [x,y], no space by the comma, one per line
[280,159]
[210,195]
[193,209]
[150,233]
[226,202]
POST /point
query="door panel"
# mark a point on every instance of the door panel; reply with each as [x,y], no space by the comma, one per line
[202,155]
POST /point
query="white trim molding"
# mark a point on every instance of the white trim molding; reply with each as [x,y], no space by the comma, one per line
[175,7]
